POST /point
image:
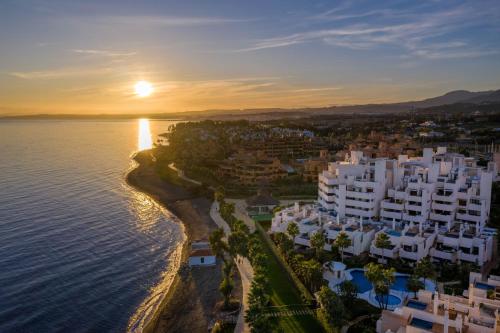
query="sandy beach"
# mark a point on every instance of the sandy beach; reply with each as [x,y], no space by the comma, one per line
[189,305]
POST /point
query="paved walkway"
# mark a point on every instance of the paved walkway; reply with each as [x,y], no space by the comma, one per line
[240,211]
[356,320]
[245,269]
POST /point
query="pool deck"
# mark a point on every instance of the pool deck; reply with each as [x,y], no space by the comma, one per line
[369,295]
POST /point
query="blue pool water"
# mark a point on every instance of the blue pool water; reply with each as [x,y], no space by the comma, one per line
[393,233]
[416,305]
[391,299]
[483,286]
[360,280]
[363,285]
[420,323]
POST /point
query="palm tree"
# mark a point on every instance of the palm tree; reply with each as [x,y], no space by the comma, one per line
[318,243]
[383,241]
[425,269]
[217,243]
[381,279]
[292,230]
[414,284]
[342,241]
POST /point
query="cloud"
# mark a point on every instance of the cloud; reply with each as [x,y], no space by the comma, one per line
[59,73]
[167,21]
[105,53]
[414,32]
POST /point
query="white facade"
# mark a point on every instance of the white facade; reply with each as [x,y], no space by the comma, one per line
[474,313]
[312,219]
[442,196]
[436,205]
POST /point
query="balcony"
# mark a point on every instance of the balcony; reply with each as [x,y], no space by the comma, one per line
[359,212]
[413,207]
[445,198]
[414,218]
[409,255]
[467,217]
[328,180]
[414,198]
[360,204]
[361,195]
[387,253]
[444,255]
[441,218]
[472,206]
[390,215]
[474,258]
[391,205]
[446,207]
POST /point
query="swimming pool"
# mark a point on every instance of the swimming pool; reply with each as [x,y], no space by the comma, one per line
[391,299]
[363,285]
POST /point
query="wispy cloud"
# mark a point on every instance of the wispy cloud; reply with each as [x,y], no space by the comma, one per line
[166,21]
[60,73]
[415,33]
[105,53]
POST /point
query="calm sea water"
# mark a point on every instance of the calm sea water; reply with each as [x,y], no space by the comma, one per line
[79,250]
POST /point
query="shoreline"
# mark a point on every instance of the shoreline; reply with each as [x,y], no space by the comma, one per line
[147,321]
[190,301]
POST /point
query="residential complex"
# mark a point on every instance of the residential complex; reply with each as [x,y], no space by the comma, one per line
[251,169]
[437,204]
[475,312]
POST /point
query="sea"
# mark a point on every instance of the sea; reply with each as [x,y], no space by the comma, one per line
[80,250]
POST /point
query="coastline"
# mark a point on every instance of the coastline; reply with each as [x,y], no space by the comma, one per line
[188,304]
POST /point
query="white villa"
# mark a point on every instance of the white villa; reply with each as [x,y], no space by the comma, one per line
[435,205]
[474,312]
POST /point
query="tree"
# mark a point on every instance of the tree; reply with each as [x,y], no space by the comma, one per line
[318,243]
[217,243]
[220,194]
[383,241]
[332,311]
[227,211]
[311,274]
[292,230]
[381,280]
[227,285]
[348,292]
[257,320]
[342,241]
[238,243]
[425,269]
[226,288]
[414,284]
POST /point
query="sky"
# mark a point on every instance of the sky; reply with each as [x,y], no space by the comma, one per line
[84,57]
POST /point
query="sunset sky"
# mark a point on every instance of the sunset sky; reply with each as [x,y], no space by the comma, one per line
[60,56]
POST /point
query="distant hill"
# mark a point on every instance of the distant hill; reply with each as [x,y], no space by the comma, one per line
[457,96]
[448,99]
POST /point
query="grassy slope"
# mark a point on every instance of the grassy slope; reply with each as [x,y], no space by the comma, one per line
[284,292]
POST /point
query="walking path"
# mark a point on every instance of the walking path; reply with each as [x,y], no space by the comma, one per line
[245,269]
[356,320]
[240,212]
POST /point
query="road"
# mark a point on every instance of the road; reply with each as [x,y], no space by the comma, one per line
[244,267]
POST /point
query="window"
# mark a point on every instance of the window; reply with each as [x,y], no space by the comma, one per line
[202,260]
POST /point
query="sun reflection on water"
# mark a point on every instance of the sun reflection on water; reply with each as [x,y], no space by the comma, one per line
[145,141]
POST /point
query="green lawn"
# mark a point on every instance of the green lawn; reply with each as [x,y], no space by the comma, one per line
[284,292]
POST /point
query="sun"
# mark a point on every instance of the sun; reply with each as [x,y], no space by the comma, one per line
[143,88]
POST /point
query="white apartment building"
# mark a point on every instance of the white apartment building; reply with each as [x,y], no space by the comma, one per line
[435,205]
[411,243]
[312,219]
[435,312]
